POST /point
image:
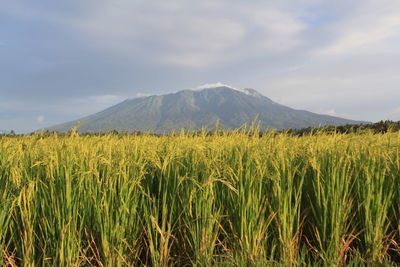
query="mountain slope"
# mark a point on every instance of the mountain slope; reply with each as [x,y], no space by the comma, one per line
[197,108]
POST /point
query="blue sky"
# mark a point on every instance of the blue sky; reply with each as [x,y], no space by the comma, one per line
[61,60]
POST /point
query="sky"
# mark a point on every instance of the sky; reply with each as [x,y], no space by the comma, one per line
[62,60]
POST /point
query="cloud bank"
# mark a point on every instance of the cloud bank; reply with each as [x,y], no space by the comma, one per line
[68,59]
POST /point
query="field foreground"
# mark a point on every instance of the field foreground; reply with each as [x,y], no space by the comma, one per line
[233,199]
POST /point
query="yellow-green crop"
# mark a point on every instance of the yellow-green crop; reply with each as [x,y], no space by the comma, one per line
[228,199]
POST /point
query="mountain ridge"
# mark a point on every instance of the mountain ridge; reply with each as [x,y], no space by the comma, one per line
[199,107]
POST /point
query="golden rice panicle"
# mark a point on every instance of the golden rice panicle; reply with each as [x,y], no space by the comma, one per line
[239,198]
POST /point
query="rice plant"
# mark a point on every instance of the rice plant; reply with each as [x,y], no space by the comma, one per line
[237,198]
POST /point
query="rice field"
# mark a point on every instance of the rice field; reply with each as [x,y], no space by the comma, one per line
[228,199]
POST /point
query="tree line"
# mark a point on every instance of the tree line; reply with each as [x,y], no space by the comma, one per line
[380,127]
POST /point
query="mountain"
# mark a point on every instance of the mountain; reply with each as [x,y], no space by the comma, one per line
[197,108]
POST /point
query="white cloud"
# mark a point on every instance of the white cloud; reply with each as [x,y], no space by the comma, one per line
[138,95]
[194,59]
[203,42]
[206,33]
[103,99]
[365,29]
[394,115]
[188,33]
[332,112]
[280,30]
[83,106]
[337,58]
[188,38]
[40,119]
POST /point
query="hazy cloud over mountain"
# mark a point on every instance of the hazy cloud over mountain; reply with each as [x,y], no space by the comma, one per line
[61,60]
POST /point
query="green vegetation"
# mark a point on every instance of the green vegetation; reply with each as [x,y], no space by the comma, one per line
[378,127]
[226,199]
